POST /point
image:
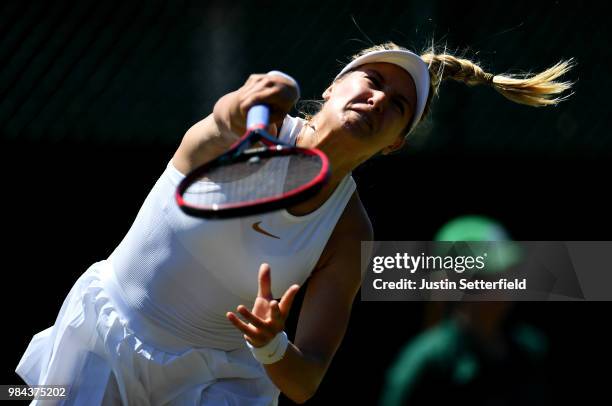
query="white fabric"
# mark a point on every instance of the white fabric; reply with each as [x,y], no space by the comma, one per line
[185,273]
[148,327]
[92,349]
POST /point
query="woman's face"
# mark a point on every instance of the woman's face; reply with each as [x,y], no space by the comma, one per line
[373,105]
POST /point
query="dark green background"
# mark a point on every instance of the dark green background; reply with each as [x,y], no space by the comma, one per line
[96,95]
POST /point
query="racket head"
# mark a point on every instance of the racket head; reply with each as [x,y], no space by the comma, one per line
[247,181]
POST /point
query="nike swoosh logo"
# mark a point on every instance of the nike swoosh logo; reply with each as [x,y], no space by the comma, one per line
[262,231]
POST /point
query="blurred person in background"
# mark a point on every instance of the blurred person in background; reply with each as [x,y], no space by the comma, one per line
[478,353]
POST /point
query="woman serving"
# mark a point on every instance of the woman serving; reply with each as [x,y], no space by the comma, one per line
[192,312]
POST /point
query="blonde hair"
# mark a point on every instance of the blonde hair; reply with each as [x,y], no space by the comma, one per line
[536,90]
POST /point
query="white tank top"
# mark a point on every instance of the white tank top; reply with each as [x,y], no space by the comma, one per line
[179,275]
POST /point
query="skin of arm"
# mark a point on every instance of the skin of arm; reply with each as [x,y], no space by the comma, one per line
[326,308]
[202,142]
[216,133]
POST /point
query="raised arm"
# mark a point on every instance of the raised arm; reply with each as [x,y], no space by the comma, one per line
[326,308]
[214,135]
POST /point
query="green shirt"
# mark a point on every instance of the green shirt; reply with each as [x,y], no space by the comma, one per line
[449,365]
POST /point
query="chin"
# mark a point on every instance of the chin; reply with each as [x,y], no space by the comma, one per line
[354,126]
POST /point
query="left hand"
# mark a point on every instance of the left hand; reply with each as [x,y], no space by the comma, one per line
[267,318]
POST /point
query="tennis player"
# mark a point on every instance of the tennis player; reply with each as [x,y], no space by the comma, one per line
[192,312]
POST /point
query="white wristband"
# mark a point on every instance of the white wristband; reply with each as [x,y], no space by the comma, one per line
[273,351]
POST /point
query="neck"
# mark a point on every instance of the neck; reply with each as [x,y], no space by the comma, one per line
[315,136]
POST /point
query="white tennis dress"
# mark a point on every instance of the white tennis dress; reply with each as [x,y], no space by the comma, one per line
[147,326]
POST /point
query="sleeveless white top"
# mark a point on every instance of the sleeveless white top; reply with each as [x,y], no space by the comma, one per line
[176,276]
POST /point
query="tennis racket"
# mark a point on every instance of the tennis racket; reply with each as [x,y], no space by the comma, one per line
[258,174]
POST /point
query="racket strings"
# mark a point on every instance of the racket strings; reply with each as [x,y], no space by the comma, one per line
[254,179]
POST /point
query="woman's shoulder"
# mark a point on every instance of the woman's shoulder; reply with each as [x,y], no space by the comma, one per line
[344,244]
[354,223]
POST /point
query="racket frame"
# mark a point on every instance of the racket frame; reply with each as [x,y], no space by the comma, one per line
[240,152]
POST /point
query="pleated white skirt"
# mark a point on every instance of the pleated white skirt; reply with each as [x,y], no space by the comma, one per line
[91,349]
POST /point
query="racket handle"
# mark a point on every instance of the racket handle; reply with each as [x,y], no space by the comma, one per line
[258,116]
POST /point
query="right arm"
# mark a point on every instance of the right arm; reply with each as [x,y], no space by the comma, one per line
[214,135]
[202,142]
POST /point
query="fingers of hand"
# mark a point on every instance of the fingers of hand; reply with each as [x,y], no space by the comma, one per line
[258,332]
[275,91]
[279,105]
[247,329]
[261,330]
[287,300]
[269,316]
[275,312]
[264,282]
[253,319]
[253,78]
[287,86]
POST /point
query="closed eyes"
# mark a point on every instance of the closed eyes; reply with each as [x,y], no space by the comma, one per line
[376,81]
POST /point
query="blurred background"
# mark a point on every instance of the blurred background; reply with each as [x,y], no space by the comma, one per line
[95,96]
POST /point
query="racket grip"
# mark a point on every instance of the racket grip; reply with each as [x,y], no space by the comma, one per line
[258,116]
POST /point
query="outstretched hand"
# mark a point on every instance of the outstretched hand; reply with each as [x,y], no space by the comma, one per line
[268,316]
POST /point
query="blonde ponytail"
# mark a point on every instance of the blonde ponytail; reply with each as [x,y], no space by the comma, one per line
[534,90]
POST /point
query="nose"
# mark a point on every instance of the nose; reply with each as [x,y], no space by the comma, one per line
[377,100]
